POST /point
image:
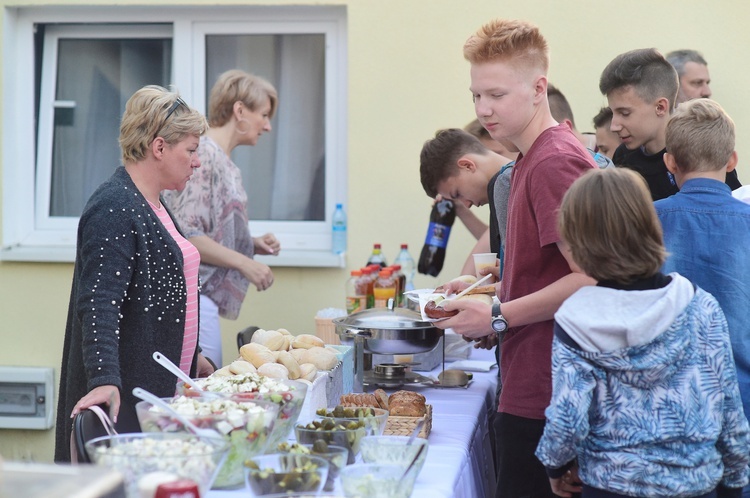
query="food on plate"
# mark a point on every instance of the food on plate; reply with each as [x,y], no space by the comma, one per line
[436,312]
[432,310]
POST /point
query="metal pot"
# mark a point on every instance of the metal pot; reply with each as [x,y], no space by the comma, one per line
[389,331]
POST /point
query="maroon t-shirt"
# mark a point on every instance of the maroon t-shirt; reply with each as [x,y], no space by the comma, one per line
[532,261]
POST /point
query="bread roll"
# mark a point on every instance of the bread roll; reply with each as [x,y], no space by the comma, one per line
[322,358]
[467,279]
[274,370]
[290,363]
[222,372]
[297,354]
[271,339]
[257,354]
[283,332]
[308,371]
[241,366]
[307,341]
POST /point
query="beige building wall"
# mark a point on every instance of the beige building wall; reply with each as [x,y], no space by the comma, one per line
[407,78]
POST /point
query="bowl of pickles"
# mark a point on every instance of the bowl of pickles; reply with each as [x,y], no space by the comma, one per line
[336,456]
[345,434]
[375,419]
[285,473]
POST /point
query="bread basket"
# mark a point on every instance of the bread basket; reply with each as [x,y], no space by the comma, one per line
[404,426]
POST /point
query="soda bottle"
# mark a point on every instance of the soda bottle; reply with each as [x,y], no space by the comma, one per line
[384,288]
[377,256]
[433,252]
[338,230]
[408,266]
[356,292]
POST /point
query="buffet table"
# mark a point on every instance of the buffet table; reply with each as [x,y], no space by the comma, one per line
[459,459]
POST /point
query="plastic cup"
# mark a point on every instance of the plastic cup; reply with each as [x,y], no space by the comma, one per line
[484,260]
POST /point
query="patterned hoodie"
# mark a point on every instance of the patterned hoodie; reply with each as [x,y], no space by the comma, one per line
[645,394]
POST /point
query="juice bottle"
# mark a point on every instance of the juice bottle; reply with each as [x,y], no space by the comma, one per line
[369,280]
[400,279]
[356,292]
[384,288]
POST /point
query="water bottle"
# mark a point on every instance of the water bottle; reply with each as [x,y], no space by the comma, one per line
[433,252]
[338,237]
[408,266]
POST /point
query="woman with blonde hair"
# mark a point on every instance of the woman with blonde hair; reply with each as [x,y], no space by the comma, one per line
[212,209]
[135,281]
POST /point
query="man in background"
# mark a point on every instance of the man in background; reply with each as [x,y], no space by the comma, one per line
[692,70]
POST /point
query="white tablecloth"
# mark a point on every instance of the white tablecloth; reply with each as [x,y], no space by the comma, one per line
[459,459]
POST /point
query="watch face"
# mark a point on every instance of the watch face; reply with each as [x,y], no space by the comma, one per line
[499,324]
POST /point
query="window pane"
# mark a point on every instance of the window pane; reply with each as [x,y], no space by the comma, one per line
[95,77]
[284,174]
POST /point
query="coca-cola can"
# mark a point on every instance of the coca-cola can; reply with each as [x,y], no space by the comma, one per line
[184,488]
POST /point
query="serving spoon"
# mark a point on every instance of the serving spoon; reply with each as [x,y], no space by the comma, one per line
[156,401]
[408,469]
[167,363]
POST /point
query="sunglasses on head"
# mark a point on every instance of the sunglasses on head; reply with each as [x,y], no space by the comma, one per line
[177,103]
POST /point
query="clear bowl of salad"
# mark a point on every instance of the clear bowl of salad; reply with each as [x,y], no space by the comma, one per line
[289,395]
[246,424]
[375,480]
[149,460]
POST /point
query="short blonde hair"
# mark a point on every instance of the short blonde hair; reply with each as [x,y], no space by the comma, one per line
[700,136]
[517,42]
[609,222]
[153,112]
[238,86]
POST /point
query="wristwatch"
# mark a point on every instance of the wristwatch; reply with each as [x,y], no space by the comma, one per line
[499,323]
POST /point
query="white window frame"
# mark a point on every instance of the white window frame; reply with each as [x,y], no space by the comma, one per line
[29,235]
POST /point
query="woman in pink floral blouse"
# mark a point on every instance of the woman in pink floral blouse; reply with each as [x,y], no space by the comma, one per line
[212,209]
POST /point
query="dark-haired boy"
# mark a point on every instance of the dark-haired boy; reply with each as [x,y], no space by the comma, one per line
[641,88]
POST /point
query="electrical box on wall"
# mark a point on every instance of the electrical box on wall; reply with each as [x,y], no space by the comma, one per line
[26,397]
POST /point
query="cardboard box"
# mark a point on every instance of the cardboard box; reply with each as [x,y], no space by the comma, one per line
[341,377]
